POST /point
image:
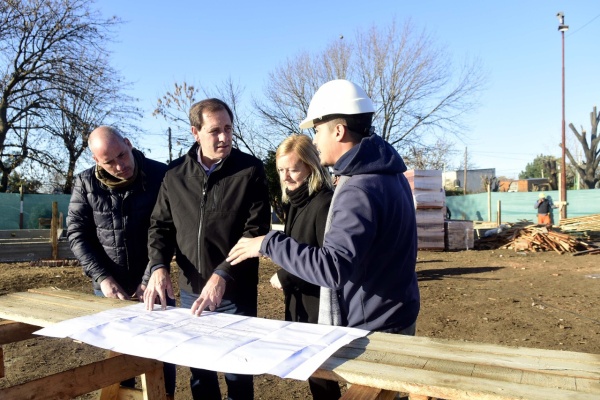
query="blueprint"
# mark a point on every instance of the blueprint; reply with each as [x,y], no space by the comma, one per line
[213,341]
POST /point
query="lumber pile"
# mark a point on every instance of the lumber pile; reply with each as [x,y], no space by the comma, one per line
[587,227]
[430,199]
[524,236]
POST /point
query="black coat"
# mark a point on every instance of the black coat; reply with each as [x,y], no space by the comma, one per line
[108,229]
[307,225]
[201,218]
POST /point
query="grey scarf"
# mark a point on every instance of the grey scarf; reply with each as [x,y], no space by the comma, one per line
[329,307]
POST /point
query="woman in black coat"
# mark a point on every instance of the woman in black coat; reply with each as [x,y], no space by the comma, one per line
[306,191]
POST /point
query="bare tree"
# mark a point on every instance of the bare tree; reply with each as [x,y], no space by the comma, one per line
[40,43]
[174,107]
[244,131]
[435,156]
[77,111]
[291,86]
[587,169]
[412,81]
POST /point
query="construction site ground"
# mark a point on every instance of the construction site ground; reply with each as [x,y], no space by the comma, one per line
[543,300]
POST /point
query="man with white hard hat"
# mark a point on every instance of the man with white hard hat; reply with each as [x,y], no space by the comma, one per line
[369,253]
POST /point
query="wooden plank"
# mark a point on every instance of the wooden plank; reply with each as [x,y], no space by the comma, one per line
[75,299]
[133,394]
[129,394]
[438,384]
[25,233]
[569,364]
[92,304]
[14,309]
[46,309]
[500,373]
[32,251]
[83,379]
[496,351]
[11,331]
[110,392]
[153,384]
[42,310]
[358,392]
[588,251]
[417,365]
[464,368]
[72,295]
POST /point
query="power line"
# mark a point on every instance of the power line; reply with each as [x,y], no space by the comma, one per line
[505,152]
[524,158]
[577,30]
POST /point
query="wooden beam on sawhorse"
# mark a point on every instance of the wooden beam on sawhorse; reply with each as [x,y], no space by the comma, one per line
[359,392]
[87,378]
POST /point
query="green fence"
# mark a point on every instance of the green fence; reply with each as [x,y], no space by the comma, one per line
[514,206]
[35,206]
[519,205]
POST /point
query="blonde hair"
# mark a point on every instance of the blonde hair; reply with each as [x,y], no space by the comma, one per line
[302,145]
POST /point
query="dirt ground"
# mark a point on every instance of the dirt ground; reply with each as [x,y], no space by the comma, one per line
[542,300]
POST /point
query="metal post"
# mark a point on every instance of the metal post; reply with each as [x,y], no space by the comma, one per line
[54,230]
[21,190]
[465,174]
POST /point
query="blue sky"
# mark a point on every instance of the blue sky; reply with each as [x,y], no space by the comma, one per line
[517,42]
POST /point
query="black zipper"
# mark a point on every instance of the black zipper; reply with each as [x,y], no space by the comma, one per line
[202,205]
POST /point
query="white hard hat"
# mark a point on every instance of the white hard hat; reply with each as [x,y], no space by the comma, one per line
[337,97]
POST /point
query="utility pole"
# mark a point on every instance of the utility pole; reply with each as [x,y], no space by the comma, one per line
[170,145]
[562,28]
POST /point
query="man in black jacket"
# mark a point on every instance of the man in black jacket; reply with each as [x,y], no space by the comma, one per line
[208,200]
[109,216]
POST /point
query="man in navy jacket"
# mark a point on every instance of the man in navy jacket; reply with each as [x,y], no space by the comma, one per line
[368,256]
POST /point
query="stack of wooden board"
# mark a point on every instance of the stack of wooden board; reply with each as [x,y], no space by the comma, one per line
[430,200]
[587,226]
[537,238]
[525,236]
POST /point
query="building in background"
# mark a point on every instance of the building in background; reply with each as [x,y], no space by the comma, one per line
[454,180]
[525,185]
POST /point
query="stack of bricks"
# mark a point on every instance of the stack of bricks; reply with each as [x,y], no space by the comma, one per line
[430,201]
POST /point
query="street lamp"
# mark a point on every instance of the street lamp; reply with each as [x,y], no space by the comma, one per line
[562,28]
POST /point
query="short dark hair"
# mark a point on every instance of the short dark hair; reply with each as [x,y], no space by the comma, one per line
[359,125]
[210,105]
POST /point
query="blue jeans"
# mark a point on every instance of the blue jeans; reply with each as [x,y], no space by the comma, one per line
[169,370]
[204,383]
